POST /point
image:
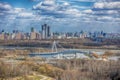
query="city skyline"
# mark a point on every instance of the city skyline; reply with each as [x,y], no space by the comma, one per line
[45,33]
[61,15]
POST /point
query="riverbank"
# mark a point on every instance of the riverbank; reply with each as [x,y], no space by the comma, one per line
[68,43]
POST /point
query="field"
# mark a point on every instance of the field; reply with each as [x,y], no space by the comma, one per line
[75,69]
[15,64]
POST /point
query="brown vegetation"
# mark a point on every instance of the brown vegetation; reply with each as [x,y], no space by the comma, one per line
[12,70]
[24,68]
[20,52]
[12,52]
[64,69]
[61,70]
[89,70]
[108,53]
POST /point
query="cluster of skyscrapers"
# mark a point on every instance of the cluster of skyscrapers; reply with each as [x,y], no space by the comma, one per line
[46,33]
[33,35]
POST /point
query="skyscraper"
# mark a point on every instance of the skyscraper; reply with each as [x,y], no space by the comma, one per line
[45,31]
[48,31]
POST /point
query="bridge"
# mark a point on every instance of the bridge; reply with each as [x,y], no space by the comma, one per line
[65,54]
[62,54]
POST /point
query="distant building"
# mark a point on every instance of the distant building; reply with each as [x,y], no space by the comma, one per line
[2,37]
[33,35]
[38,36]
[19,36]
[48,31]
[27,36]
[112,35]
[7,36]
[84,35]
[45,31]
[13,36]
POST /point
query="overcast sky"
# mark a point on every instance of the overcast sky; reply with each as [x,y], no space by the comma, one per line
[61,15]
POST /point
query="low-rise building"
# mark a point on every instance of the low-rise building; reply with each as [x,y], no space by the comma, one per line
[2,36]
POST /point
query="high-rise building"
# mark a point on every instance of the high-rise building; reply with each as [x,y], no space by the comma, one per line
[45,31]
[33,35]
[38,36]
[48,31]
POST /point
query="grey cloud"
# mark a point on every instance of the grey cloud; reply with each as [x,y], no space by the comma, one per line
[106,10]
[5,7]
[50,8]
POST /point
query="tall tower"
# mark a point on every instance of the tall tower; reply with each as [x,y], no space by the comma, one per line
[48,31]
[45,31]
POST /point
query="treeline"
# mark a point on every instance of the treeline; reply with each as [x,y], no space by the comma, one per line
[111,41]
